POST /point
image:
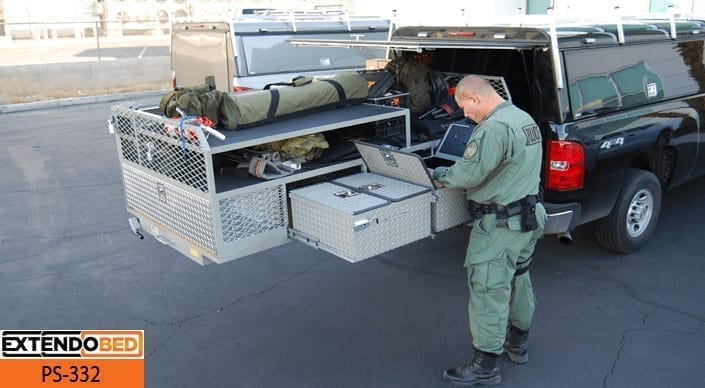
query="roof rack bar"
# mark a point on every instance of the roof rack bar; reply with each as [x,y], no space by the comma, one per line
[555,54]
[620,26]
[293,20]
[672,21]
[392,27]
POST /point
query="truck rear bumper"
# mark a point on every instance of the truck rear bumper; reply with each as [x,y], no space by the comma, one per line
[562,217]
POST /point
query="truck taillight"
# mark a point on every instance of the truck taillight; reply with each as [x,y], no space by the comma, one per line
[565,166]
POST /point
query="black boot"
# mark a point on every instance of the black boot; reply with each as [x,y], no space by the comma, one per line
[517,345]
[481,370]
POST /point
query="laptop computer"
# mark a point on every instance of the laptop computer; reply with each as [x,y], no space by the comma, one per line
[453,144]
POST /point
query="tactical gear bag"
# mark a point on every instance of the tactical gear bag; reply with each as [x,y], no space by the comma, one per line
[233,111]
[302,148]
[412,76]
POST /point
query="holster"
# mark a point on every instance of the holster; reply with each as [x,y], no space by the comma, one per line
[528,213]
[525,206]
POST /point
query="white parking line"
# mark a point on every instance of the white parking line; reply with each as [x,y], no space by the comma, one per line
[142,52]
[56,56]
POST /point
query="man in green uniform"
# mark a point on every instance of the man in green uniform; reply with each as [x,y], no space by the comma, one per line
[500,172]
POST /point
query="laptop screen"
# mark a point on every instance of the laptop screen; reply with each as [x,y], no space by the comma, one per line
[456,138]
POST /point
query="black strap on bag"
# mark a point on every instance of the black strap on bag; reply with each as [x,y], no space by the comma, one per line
[273,104]
[296,81]
[338,88]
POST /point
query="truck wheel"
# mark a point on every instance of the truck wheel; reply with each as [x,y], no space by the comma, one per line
[633,219]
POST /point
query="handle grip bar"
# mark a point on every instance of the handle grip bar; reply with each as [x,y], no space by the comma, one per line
[205,128]
[213,132]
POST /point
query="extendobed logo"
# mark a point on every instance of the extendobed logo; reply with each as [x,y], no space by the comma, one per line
[72,344]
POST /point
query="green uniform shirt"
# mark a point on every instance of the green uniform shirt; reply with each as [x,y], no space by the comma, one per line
[502,159]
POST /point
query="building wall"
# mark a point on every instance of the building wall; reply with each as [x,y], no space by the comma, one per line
[443,12]
[406,12]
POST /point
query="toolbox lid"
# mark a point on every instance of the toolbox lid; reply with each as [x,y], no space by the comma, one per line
[338,197]
[405,166]
[381,186]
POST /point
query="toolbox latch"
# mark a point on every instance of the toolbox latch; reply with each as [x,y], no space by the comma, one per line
[346,194]
[372,186]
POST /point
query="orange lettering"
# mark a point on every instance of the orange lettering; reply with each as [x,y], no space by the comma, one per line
[105,345]
[131,344]
[118,344]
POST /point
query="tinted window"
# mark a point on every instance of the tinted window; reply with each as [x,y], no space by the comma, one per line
[627,76]
[270,54]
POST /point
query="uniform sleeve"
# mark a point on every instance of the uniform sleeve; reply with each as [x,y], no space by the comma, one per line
[483,154]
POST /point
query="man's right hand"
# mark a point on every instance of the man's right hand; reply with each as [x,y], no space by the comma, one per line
[436,183]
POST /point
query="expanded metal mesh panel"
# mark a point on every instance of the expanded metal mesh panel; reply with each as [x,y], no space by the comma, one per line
[157,144]
[253,213]
[497,82]
[128,148]
[499,86]
[183,213]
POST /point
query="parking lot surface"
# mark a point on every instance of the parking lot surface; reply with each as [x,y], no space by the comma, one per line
[297,317]
[85,49]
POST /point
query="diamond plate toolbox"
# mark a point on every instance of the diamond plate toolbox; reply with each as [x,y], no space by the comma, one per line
[355,225]
[450,206]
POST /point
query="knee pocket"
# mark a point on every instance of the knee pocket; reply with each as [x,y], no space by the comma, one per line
[489,332]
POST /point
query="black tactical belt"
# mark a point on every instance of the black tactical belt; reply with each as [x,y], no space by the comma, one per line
[478,210]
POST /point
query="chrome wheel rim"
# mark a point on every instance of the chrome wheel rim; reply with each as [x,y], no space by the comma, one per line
[639,213]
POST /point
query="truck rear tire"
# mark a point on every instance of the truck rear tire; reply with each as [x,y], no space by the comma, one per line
[633,219]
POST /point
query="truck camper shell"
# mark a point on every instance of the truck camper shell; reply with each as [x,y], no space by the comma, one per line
[251,51]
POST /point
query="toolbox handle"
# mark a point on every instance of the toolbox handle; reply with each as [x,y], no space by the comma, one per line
[162,239]
[364,223]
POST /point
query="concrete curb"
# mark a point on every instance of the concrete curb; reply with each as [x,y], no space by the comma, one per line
[49,104]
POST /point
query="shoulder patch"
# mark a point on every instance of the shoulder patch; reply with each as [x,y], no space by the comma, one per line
[470,150]
[532,133]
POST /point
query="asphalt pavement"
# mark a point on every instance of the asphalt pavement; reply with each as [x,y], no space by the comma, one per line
[298,317]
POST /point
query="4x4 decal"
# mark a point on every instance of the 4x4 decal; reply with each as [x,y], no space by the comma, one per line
[607,144]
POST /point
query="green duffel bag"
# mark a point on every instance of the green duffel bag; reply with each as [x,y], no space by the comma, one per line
[258,107]
[233,111]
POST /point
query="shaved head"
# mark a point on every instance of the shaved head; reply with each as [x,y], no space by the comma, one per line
[474,85]
[476,97]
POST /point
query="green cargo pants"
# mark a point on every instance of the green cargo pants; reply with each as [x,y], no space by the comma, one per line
[497,297]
